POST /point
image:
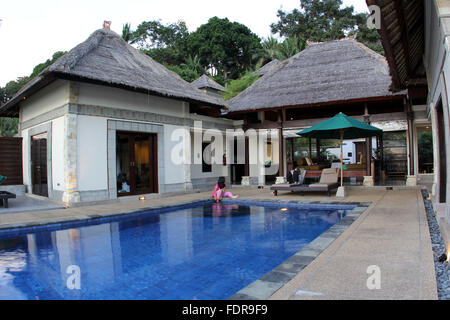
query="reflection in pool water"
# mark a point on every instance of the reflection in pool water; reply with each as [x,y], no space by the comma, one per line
[206,252]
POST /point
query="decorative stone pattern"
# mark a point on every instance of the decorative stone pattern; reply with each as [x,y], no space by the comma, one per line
[268,284]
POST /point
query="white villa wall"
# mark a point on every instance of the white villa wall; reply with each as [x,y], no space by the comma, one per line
[49,98]
[174,171]
[437,65]
[58,154]
[92,153]
[97,95]
[26,159]
[95,137]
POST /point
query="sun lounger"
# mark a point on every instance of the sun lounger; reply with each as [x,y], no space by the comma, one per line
[328,181]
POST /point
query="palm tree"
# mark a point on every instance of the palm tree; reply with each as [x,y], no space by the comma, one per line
[127,34]
[289,47]
[268,52]
[193,63]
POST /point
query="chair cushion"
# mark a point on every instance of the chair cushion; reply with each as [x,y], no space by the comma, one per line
[329,176]
[2,179]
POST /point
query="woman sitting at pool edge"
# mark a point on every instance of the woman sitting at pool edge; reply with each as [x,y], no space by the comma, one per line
[219,191]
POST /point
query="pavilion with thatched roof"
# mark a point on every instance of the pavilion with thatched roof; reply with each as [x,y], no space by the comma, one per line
[319,82]
[209,86]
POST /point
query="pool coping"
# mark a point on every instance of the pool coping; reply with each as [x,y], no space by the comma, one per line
[272,281]
[94,218]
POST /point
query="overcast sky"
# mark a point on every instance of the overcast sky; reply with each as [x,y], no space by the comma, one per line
[31,31]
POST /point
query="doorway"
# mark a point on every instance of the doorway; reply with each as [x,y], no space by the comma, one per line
[395,161]
[442,153]
[39,184]
[360,152]
[136,163]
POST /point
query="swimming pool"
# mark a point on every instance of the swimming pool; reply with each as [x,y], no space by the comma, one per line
[199,251]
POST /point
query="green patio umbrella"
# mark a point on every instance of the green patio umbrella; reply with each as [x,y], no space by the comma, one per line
[341,127]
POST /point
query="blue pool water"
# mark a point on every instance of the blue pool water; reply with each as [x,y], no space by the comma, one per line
[203,251]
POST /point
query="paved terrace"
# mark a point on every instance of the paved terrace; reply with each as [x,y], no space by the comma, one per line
[392,234]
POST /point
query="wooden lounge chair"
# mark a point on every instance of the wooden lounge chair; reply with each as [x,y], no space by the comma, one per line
[328,181]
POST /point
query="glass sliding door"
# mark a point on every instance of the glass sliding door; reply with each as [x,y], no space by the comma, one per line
[136,163]
[39,165]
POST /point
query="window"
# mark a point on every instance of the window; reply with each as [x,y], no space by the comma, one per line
[425,149]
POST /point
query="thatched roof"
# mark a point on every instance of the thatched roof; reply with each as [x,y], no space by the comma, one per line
[206,82]
[267,67]
[336,71]
[105,58]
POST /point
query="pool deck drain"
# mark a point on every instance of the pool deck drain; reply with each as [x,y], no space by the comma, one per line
[267,285]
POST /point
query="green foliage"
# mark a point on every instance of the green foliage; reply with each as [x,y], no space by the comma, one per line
[127,34]
[324,20]
[164,43]
[42,66]
[13,86]
[8,126]
[289,47]
[225,47]
[187,74]
[369,37]
[193,63]
[237,86]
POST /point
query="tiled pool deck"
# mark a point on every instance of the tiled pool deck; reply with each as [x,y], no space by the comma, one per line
[391,233]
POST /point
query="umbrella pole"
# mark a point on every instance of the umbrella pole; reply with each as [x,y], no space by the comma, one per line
[342,160]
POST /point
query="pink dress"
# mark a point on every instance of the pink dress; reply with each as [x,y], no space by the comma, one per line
[219,192]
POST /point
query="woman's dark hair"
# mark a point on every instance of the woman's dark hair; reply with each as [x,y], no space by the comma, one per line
[221,182]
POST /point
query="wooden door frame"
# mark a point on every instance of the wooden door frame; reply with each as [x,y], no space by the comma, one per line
[33,166]
[153,155]
[442,158]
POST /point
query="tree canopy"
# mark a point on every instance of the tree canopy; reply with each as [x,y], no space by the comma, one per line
[324,20]
[225,47]
[8,126]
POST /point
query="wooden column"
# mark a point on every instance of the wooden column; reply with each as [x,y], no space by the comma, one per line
[410,117]
[310,148]
[318,148]
[280,144]
[247,158]
[368,143]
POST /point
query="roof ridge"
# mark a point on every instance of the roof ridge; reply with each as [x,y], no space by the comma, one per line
[71,58]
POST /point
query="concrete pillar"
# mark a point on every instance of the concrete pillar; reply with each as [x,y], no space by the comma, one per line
[71,193]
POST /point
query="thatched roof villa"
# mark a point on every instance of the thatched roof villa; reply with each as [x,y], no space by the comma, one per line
[320,81]
[102,119]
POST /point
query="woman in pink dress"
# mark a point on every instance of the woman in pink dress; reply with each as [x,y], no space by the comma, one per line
[220,191]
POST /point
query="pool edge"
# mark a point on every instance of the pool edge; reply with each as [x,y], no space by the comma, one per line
[264,287]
